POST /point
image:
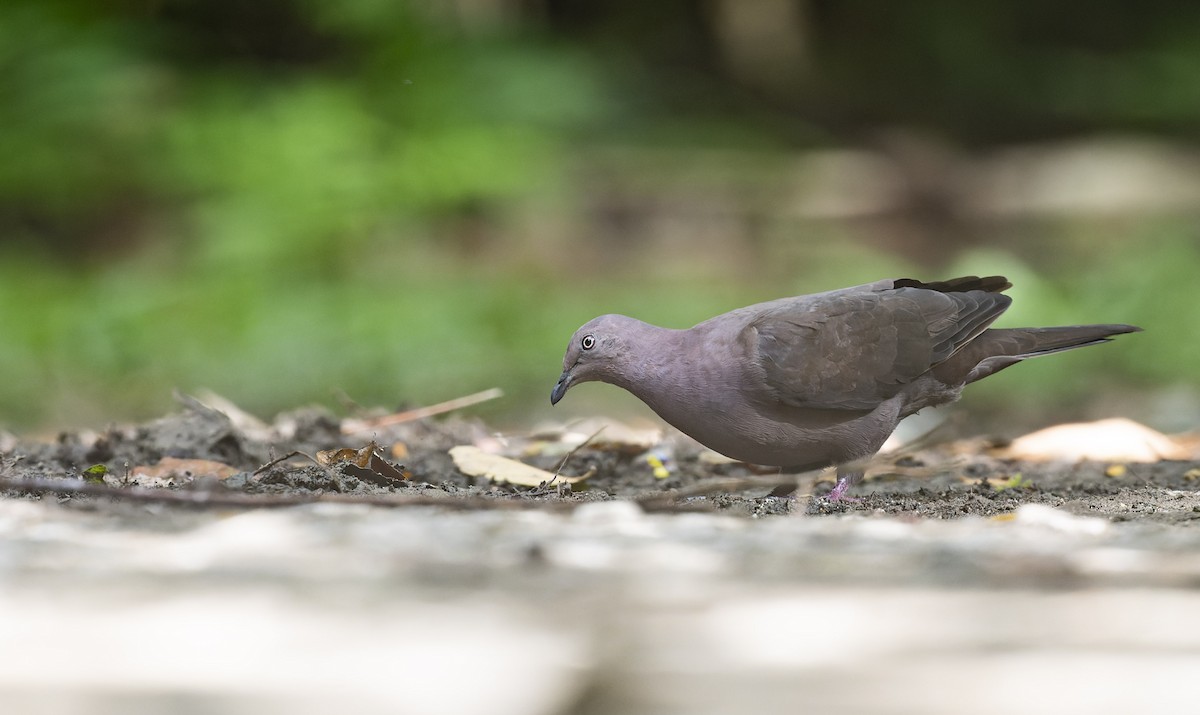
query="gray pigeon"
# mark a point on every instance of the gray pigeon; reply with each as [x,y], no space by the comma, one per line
[816,380]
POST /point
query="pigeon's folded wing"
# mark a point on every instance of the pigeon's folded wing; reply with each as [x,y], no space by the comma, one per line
[853,350]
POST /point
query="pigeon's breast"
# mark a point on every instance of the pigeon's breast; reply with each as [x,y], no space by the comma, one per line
[804,438]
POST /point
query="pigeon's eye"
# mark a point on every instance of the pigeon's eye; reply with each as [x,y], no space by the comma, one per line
[588,342]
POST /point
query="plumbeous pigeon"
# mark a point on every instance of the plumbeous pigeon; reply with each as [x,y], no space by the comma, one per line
[816,380]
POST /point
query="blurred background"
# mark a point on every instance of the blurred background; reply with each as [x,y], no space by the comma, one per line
[294,201]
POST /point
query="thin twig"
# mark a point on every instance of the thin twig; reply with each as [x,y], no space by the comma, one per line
[544,488]
[347,402]
[575,449]
[560,488]
[931,437]
[289,455]
[350,427]
[203,499]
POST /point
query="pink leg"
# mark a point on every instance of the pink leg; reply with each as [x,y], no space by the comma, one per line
[844,482]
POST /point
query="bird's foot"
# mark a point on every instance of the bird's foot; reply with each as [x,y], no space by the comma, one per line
[838,493]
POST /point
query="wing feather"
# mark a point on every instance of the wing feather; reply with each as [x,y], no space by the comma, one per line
[852,350]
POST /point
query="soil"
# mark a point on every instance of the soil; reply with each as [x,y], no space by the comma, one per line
[938,482]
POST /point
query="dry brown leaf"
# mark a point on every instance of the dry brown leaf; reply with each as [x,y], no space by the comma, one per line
[475,462]
[1111,440]
[381,466]
[330,457]
[366,463]
[360,457]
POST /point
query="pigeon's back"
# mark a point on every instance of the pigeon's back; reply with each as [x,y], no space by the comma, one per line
[852,349]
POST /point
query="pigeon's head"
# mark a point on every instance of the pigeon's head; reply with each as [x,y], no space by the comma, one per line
[596,352]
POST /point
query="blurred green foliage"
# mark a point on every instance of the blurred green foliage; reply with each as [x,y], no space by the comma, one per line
[210,193]
[282,199]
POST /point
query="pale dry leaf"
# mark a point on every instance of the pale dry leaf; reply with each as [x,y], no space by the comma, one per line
[1189,441]
[246,423]
[172,470]
[475,462]
[712,458]
[1111,440]
[601,434]
[619,437]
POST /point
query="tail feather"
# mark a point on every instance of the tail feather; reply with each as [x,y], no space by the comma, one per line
[996,349]
[1028,342]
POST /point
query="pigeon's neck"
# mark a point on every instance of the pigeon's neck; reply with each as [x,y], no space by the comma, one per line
[651,359]
[661,368]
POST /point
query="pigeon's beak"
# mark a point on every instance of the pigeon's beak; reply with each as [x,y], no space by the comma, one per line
[561,387]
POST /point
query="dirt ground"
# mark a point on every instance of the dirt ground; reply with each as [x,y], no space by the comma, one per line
[236,581]
[941,481]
